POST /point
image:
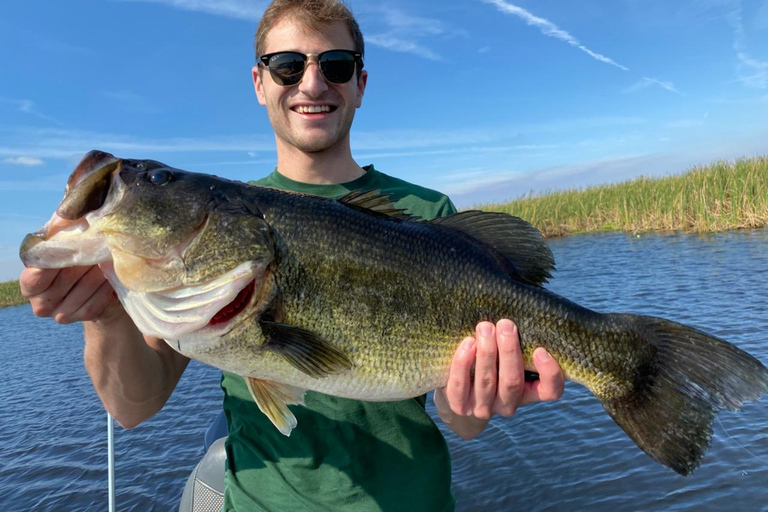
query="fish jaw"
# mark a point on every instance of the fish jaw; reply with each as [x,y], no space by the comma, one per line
[62,243]
[68,239]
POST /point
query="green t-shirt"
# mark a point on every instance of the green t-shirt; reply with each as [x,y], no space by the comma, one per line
[344,455]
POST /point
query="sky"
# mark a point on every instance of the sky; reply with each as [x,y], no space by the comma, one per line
[485,100]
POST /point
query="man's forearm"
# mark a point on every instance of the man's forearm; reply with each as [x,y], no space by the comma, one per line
[133,375]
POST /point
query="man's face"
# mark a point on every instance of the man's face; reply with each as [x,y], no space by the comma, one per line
[286,106]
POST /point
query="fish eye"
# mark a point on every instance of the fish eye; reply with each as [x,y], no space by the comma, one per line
[159,177]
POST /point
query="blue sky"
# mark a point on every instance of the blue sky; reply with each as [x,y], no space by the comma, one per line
[485,100]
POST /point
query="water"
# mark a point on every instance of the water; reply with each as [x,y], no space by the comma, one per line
[564,456]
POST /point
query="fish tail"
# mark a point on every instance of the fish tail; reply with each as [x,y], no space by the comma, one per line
[676,394]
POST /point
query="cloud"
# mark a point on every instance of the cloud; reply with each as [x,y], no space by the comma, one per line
[395,43]
[648,82]
[28,107]
[393,29]
[68,144]
[131,100]
[550,29]
[248,10]
[752,72]
[28,161]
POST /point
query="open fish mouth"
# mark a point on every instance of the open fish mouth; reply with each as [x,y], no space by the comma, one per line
[95,224]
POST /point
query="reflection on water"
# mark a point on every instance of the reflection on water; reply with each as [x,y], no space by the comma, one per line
[568,455]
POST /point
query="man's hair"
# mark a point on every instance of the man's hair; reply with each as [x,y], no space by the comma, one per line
[315,14]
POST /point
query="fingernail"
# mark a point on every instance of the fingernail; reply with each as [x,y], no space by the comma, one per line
[484,329]
[505,327]
[468,344]
[543,356]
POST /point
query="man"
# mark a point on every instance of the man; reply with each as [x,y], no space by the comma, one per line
[345,454]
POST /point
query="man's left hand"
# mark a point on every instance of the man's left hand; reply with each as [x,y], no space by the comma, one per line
[466,404]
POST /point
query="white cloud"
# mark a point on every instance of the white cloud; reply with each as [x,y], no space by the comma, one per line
[249,10]
[390,28]
[63,143]
[550,29]
[752,72]
[648,82]
[28,107]
[28,161]
[131,100]
[395,43]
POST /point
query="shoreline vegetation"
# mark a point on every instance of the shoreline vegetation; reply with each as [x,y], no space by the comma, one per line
[720,196]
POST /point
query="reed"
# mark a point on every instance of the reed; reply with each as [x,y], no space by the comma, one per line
[10,294]
[720,196]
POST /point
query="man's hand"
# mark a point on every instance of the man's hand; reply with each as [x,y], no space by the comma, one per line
[133,374]
[68,295]
[466,404]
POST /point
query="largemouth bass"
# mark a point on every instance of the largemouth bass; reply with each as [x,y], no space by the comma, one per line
[354,298]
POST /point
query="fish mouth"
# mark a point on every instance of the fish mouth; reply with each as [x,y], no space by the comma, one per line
[64,240]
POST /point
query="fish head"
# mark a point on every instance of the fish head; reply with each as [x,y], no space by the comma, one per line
[159,233]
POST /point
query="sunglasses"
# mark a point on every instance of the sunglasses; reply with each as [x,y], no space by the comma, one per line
[337,66]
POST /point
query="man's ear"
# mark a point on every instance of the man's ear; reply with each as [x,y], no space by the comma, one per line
[258,86]
[362,81]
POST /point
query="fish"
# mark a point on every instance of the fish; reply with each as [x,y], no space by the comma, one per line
[356,298]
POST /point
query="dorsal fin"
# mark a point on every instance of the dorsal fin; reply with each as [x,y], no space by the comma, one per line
[518,246]
[375,201]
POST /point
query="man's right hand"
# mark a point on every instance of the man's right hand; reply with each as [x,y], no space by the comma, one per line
[133,374]
[69,295]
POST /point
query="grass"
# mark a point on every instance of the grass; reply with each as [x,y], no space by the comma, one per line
[717,197]
[10,294]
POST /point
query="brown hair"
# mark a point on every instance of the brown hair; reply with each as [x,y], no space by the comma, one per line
[315,14]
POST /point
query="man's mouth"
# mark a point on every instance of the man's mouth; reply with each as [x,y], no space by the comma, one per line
[313,109]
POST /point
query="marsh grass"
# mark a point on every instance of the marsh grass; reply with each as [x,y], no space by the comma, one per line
[10,294]
[717,197]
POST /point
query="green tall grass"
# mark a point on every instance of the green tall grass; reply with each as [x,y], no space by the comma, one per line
[717,197]
[10,294]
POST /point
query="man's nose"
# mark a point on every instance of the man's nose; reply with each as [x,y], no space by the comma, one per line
[313,82]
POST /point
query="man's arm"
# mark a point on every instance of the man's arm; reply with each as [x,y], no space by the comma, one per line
[466,404]
[133,375]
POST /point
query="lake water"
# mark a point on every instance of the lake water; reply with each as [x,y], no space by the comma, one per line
[563,456]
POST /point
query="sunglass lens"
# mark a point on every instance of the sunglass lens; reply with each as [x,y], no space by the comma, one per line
[287,68]
[337,67]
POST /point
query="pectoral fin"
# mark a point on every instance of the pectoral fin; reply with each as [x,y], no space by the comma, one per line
[273,399]
[304,349]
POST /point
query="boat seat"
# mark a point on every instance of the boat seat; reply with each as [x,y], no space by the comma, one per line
[204,491]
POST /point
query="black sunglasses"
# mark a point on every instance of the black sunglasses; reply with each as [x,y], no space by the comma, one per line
[337,66]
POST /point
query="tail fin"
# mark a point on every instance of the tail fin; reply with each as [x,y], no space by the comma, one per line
[670,411]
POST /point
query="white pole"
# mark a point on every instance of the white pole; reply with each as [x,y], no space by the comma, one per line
[111,457]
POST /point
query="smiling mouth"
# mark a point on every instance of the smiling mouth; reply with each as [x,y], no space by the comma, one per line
[314,109]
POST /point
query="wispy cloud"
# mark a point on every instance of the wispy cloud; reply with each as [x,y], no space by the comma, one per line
[28,107]
[68,144]
[131,100]
[752,72]
[393,29]
[396,43]
[550,29]
[29,161]
[648,82]
[249,10]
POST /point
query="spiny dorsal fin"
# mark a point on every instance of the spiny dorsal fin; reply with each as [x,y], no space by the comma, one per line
[523,252]
[273,399]
[375,201]
[304,349]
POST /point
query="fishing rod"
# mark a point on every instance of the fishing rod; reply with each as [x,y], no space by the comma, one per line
[111,463]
